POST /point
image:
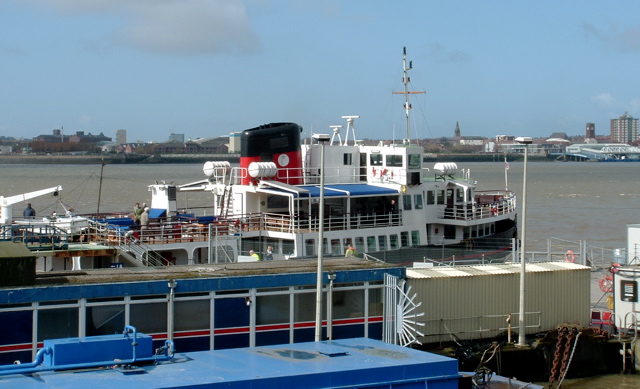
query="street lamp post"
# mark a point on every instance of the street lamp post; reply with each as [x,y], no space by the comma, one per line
[526,141]
[322,139]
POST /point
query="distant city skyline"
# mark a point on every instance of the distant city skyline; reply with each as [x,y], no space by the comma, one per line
[205,68]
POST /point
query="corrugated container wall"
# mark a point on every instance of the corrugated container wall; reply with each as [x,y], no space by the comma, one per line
[474,302]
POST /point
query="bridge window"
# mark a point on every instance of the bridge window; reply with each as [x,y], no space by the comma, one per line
[404,239]
[418,201]
[440,194]
[394,160]
[415,161]
[459,195]
[375,159]
[415,238]
[347,159]
[430,198]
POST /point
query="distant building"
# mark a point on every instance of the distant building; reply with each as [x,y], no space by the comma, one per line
[177,137]
[456,132]
[79,136]
[121,137]
[624,129]
[591,131]
[234,142]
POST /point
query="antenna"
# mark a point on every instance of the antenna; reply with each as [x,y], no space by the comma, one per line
[350,120]
[336,132]
[406,93]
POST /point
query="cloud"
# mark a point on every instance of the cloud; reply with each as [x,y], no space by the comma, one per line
[185,27]
[605,100]
[615,38]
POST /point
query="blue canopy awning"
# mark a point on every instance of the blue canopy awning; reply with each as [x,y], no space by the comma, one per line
[341,190]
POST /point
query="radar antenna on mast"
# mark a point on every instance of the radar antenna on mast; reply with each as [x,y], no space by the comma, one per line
[406,93]
[350,126]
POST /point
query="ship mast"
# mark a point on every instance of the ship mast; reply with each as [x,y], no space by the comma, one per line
[406,93]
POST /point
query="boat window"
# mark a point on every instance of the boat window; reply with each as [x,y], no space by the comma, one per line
[382,242]
[375,159]
[440,194]
[418,202]
[304,307]
[288,248]
[347,159]
[487,229]
[404,239]
[272,309]
[140,313]
[394,160]
[415,238]
[335,247]
[466,233]
[430,198]
[393,240]
[371,243]
[375,302]
[406,202]
[480,230]
[58,323]
[192,315]
[360,244]
[415,161]
[104,320]
[310,247]
[459,195]
[348,303]
[474,233]
[449,232]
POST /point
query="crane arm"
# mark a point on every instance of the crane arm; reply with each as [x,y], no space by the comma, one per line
[4,201]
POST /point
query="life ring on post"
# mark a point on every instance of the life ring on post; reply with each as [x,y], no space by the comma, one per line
[569,256]
[606,284]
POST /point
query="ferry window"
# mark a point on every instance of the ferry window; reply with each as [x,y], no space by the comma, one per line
[348,303]
[192,315]
[487,229]
[360,244]
[375,159]
[272,309]
[440,196]
[406,202]
[466,233]
[415,238]
[404,239]
[335,247]
[288,248]
[418,199]
[430,198]
[382,242]
[449,232]
[347,159]
[58,323]
[375,302]
[305,307]
[371,243]
[230,312]
[459,195]
[394,160]
[310,247]
[140,314]
[415,161]
[474,233]
[104,320]
[480,230]
[393,239]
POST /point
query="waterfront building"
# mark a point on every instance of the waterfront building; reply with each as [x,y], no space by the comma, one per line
[624,129]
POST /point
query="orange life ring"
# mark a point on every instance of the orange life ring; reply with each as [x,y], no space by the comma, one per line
[569,256]
[606,284]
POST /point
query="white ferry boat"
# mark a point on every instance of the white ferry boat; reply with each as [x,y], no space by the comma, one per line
[298,196]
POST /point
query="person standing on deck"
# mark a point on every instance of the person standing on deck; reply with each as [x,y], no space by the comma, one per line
[351,252]
[29,213]
[137,211]
[254,255]
[144,222]
[269,255]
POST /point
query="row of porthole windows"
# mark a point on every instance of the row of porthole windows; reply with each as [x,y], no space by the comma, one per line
[363,244]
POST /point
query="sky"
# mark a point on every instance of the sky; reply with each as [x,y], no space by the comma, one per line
[205,68]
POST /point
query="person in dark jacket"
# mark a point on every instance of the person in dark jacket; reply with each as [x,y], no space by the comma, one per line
[29,213]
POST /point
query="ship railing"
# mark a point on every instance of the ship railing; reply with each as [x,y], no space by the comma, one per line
[486,205]
[473,327]
[36,237]
[157,232]
[286,223]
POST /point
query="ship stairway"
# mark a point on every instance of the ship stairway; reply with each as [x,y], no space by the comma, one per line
[140,255]
[225,201]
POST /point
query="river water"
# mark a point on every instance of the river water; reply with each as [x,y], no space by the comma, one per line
[566,200]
